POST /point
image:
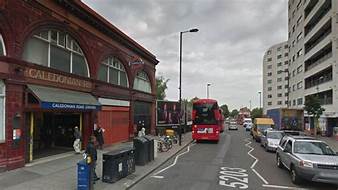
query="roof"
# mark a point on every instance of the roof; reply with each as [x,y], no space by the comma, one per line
[264,121]
[48,94]
[80,9]
[202,101]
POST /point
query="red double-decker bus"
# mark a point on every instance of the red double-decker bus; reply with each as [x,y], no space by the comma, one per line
[206,118]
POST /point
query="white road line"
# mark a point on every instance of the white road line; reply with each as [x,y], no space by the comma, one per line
[173,164]
[255,162]
[262,178]
[284,187]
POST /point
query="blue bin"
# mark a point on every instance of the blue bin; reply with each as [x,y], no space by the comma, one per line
[84,179]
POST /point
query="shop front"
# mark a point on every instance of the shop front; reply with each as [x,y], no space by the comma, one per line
[51,116]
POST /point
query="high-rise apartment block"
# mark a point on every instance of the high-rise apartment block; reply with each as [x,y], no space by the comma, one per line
[312,58]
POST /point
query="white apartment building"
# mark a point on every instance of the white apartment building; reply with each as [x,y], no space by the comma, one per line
[313,54]
[275,81]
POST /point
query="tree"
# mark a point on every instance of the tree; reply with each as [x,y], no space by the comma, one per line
[313,107]
[225,109]
[161,87]
[234,113]
[256,112]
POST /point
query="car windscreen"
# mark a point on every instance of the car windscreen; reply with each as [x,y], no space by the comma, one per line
[312,147]
[205,114]
[274,135]
[263,127]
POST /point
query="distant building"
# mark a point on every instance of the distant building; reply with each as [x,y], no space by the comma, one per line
[62,65]
[275,77]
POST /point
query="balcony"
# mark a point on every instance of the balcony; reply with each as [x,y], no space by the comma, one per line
[325,97]
[318,79]
[319,44]
[318,37]
[322,25]
[319,58]
[309,6]
[318,15]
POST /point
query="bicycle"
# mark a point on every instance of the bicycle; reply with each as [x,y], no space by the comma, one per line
[164,144]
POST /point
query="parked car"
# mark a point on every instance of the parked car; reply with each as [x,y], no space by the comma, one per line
[248,127]
[307,158]
[233,126]
[260,125]
[247,121]
[270,139]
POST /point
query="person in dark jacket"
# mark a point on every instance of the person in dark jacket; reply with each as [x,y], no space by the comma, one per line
[91,151]
[98,132]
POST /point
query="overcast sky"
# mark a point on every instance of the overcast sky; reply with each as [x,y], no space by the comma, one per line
[226,52]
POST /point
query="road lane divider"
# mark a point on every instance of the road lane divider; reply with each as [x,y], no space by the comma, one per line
[255,162]
[171,165]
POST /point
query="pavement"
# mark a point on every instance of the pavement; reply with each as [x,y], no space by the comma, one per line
[236,162]
[60,172]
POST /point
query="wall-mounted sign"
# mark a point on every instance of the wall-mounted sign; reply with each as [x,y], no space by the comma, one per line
[57,78]
[55,105]
[136,61]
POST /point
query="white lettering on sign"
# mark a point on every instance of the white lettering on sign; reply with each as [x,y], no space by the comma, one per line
[233,177]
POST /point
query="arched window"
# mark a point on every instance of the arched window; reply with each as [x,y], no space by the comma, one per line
[112,71]
[142,82]
[2,47]
[57,50]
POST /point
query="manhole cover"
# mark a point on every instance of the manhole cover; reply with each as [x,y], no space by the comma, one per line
[131,176]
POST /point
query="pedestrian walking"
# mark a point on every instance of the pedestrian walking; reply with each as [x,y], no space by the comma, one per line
[76,144]
[98,133]
[92,153]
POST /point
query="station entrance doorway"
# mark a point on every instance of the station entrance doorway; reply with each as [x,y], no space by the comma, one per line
[51,133]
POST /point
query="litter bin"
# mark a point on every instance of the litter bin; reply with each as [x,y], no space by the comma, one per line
[128,161]
[141,151]
[112,166]
[150,147]
[84,176]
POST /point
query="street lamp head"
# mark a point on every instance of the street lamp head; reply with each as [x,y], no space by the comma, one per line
[208,84]
[193,30]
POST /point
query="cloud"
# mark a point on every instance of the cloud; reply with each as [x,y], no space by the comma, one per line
[227,51]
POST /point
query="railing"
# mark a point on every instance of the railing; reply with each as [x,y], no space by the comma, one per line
[326,101]
[318,81]
[319,61]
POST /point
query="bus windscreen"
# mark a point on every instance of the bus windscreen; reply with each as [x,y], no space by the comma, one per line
[205,114]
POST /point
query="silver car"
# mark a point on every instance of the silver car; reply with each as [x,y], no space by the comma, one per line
[307,158]
[233,126]
[270,139]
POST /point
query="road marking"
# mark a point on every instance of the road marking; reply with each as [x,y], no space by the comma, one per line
[255,162]
[283,187]
[173,164]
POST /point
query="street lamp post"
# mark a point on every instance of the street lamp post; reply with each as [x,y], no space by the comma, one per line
[208,90]
[180,87]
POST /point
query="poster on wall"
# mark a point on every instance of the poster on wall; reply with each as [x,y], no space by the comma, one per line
[168,113]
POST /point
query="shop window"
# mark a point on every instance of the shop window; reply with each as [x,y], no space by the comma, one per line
[2,112]
[112,71]
[2,47]
[142,82]
[58,50]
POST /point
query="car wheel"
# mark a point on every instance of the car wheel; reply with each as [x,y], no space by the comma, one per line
[279,162]
[295,178]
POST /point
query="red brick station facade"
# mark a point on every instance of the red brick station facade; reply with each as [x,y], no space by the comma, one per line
[62,65]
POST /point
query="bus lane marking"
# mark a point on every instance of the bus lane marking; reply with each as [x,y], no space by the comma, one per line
[255,162]
[171,165]
[238,177]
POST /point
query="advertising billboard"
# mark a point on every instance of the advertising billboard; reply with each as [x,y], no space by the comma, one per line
[168,113]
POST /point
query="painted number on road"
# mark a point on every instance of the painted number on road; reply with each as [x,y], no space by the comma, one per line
[233,177]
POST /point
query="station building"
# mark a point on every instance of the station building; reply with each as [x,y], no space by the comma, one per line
[63,65]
